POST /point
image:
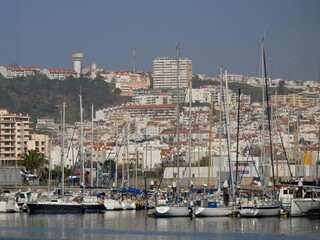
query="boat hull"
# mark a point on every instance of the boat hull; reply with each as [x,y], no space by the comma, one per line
[260,211]
[212,212]
[93,207]
[114,205]
[172,211]
[7,207]
[129,204]
[305,207]
[54,208]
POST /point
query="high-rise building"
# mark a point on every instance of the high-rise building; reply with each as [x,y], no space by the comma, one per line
[14,135]
[165,72]
[16,138]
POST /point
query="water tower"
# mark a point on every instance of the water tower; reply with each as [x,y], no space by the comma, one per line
[77,58]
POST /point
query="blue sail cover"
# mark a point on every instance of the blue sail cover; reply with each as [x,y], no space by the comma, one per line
[132,190]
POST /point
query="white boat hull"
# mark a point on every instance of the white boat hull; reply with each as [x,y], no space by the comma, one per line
[114,205]
[305,207]
[172,211]
[8,206]
[129,204]
[212,212]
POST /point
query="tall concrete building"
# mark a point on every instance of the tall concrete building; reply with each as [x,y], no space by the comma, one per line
[14,135]
[165,72]
[16,138]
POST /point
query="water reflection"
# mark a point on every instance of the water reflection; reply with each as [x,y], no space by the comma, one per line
[135,224]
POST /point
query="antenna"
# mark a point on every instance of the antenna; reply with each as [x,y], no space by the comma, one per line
[134,61]
[290,69]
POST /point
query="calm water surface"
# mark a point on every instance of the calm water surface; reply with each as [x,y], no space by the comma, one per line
[135,225]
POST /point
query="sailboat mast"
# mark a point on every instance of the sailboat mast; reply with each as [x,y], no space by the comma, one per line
[263,147]
[318,157]
[220,127]
[91,171]
[127,154]
[268,112]
[210,142]
[81,144]
[116,156]
[178,113]
[63,151]
[238,128]
[50,169]
[228,134]
[190,130]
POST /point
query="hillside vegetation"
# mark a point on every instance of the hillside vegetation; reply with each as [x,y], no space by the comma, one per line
[39,96]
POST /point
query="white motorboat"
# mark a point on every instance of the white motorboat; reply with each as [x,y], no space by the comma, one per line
[300,200]
[114,205]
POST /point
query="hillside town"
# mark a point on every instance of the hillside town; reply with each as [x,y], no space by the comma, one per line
[141,135]
[160,119]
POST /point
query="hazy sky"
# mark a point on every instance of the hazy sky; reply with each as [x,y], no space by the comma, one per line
[211,33]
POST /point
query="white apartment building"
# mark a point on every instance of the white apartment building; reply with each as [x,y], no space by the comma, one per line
[18,71]
[14,135]
[59,73]
[15,138]
[152,99]
[165,111]
[165,72]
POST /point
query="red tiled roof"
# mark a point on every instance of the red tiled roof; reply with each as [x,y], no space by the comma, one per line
[62,70]
[22,68]
[151,106]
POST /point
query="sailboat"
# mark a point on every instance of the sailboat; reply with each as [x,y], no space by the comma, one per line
[61,204]
[89,204]
[215,205]
[259,207]
[178,209]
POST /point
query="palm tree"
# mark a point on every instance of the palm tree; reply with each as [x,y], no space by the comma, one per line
[33,160]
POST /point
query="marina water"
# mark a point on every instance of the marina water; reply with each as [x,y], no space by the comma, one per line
[135,224]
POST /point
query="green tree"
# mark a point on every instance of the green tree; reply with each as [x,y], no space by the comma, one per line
[33,160]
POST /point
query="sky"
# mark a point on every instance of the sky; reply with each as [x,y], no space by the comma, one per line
[212,33]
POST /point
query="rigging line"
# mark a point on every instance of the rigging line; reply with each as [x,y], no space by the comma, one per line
[247,160]
[284,149]
[238,128]
[269,121]
[167,161]
[228,147]
[180,110]
[117,152]
[68,150]
[118,136]
[250,153]
[74,168]
[249,148]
